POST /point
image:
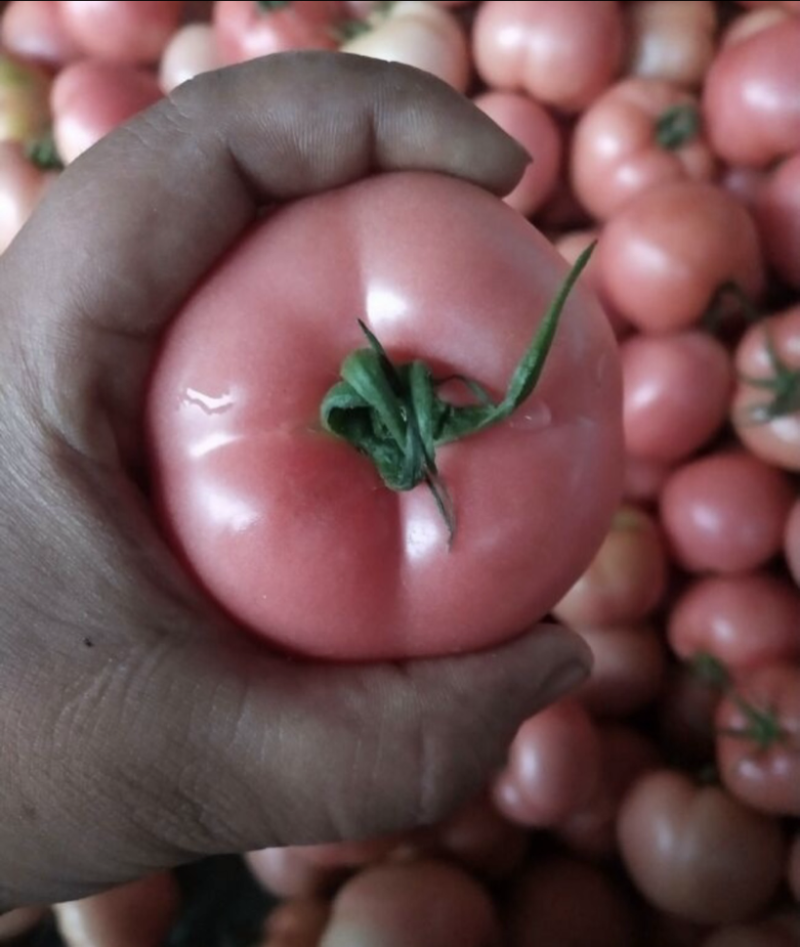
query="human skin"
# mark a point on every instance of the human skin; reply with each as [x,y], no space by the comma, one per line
[138,728]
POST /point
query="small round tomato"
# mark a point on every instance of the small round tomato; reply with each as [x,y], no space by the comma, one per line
[676,393]
[626,579]
[766,405]
[628,669]
[420,904]
[125,31]
[644,479]
[638,134]
[536,130]
[751,99]
[664,257]
[33,30]
[563,901]
[417,34]
[744,621]
[297,923]
[671,39]
[291,528]
[571,244]
[777,212]
[561,53]
[553,768]
[725,512]
[140,914]
[246,29]
[190,52]
[626,756]
[758,744]
[698,853]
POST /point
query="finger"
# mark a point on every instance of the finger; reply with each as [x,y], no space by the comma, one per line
[190,755]
[133,225]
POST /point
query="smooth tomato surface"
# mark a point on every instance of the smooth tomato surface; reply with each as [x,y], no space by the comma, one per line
[292,530]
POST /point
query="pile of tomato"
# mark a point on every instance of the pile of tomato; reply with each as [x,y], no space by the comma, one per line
[659,804]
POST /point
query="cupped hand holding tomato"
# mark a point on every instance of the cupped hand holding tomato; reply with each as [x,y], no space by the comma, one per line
[138,728]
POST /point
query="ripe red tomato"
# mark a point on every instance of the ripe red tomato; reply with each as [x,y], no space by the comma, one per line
[698,853]
[32,29]
[290,528]
[758,744]
[671,39]
[766,404]
[777,213]
[127,31]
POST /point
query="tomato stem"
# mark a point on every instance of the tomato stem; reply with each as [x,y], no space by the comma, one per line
[42,153]
[393,413]
[677,125]
[269,6]
[783,385]
[729,296]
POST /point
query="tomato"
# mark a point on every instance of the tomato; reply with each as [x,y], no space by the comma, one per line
[777,213]
[758,746]
[421,904]
[696,852]
[190,52]
[626,579]
[245,29]
[725,512]
[626,755]
[290,528]
[22,186]
[644,479]
[786,4]
[744,621]
[125,31]
[32,29]
[24,92]
[535,129]
[638,134]
[766,405]
[482,841]
[751,99]
[289,873]
[561,52]
[90,98]
[417,34]
[792,541]
[16,924]
[671,39]
[571,244]
[565,902]
[628,669]
[668,252]
[140,914]
[299,923]
[553,768]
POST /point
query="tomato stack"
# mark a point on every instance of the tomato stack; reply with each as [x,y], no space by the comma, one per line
[659,804]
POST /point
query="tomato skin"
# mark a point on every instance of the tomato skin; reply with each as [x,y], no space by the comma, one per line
[626,579]
[288,873]
[32,29]
[561,53]
[616,153]
[745,621]
[244,32]
[91,97]
[676,393]
[792,542]
[535,129]
[663,257]
[751,98]
[766,777]
[698,853]
[725,512]
[777,213]
[124,31]
[261,518]
[776,440]
[553,768]
[140,914]
[671,39]
[191,51]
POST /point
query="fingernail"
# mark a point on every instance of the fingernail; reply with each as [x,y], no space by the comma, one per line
[564,679]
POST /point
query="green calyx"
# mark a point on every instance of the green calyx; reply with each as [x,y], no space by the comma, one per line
[269,6]
[783,386]
[394,415]
[43,153]
[677,126]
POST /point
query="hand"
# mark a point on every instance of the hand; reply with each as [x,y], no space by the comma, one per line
[137,730]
